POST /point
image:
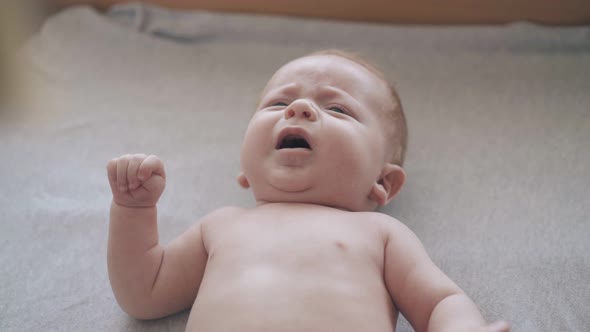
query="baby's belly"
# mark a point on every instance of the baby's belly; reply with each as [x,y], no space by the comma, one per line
[265,298]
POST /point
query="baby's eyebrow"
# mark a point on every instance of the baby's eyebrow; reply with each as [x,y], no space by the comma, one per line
[330,91]
[291,88]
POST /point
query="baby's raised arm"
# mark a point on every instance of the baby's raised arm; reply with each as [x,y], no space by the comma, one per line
[423,293]
[148,279]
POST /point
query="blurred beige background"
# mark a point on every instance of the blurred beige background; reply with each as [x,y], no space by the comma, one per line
[18,21]
[393,11]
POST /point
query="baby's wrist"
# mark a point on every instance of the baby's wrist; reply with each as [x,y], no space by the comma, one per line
[129,206]
[116,205]
[135,213]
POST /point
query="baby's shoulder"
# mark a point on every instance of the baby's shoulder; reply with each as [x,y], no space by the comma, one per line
[222,214]
[389,225]
[378,218]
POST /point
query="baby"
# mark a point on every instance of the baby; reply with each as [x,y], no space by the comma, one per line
[323,150]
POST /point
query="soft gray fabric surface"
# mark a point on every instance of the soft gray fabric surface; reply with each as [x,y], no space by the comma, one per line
[498,160]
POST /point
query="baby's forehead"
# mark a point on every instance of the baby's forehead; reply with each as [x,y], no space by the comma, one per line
[321,66]
[331,70]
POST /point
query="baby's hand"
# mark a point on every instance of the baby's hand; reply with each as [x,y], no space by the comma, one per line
[499,326]
[136,180]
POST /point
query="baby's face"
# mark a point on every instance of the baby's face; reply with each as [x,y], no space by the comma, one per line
[316,135]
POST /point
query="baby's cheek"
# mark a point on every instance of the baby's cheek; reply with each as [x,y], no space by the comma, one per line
[352,157]
[257,133]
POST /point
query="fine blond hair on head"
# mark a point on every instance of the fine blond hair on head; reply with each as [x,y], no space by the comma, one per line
[395,121]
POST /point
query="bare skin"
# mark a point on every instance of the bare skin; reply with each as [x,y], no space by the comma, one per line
[311,256]
[293,267]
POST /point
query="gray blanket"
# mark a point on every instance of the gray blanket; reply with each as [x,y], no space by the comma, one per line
[498,163]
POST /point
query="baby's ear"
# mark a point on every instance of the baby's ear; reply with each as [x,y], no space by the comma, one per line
[243,181]
[388,185]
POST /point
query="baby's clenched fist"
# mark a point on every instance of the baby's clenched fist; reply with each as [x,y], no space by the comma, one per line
[136,180]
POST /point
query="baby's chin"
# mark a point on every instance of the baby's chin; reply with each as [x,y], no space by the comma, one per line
[316,196]
[292,184]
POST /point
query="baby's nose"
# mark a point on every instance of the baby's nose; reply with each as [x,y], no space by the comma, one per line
[301,109]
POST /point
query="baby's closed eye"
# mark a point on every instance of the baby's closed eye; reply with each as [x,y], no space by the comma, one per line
[337,110]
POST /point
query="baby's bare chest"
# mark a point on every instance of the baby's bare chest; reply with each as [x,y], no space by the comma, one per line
[298,269]
[298,239]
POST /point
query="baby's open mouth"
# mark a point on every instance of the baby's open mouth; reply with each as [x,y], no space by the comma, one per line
[293,142]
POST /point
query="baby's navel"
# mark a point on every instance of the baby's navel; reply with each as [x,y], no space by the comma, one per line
[341,245]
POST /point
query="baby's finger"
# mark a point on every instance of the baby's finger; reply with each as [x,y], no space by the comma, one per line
[112,172]
[499,326]
[122,165]
[151,164]
[132,169]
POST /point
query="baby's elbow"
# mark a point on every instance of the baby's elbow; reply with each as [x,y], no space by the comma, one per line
[140,309]
[141,313]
